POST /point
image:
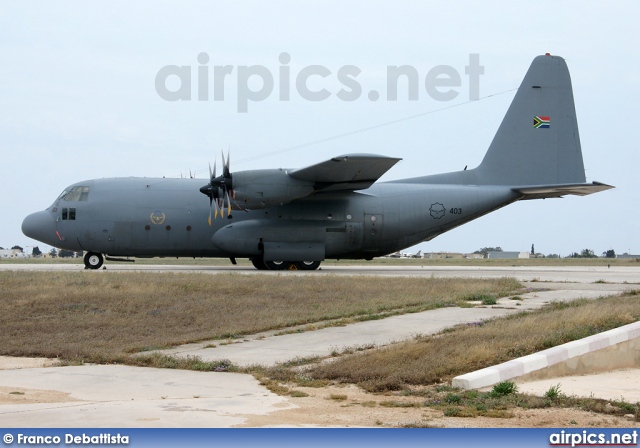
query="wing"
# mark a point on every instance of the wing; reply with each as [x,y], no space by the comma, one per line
[347,172]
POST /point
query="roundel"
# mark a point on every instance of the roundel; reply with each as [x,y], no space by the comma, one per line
[157,217]
[437,210]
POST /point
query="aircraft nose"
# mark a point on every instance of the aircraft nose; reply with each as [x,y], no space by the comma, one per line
[40,226]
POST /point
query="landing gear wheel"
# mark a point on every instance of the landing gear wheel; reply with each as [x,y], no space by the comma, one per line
[93,260]
[308,265]
[274,265]
[258,263]
[281,265]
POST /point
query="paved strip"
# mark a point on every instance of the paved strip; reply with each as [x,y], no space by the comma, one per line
[130,397]
[616,385]
[269,348]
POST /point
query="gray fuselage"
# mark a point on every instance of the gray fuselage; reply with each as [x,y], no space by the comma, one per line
[147,217]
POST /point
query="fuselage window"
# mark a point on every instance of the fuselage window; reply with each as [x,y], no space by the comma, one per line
[72,214]
[65,214]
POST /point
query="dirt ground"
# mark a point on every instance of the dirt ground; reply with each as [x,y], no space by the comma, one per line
[350,406]
[20,395]
[328,407]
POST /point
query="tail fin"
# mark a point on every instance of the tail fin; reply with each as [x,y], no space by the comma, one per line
[536,150]
[538,141]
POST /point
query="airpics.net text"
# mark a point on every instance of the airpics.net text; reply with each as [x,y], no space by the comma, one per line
[311,83]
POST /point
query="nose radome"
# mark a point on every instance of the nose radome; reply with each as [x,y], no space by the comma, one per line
[40,226]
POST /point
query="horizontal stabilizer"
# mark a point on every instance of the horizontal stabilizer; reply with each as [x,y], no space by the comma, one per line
[558,191]
[347,172]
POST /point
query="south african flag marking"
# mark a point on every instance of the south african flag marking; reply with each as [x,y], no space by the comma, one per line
[540,121]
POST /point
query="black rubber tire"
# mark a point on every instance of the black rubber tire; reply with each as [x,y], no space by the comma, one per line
[308,265]
[258,263]
[281,265]
[93,260]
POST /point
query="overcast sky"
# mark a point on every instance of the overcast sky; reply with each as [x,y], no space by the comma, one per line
[78,99]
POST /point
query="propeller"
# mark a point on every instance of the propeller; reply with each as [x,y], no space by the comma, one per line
[219,188]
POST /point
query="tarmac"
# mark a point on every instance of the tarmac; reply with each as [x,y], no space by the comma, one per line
[123,396]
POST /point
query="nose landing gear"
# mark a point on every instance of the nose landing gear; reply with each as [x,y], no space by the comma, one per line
[93,260]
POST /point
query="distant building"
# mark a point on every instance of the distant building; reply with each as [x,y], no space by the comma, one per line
[400,255]
[12,253]
[627,256]
[441,255]
[506,254]
[474,256]
[436,255]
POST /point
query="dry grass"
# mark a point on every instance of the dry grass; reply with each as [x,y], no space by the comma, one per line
[105,316]
[438,358]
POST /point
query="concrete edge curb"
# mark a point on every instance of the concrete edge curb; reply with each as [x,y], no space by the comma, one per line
[536,361]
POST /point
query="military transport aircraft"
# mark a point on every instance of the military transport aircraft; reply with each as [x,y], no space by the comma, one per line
[296,218]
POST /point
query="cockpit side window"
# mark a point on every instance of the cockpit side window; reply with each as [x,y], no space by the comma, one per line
[80,193]
[68,214]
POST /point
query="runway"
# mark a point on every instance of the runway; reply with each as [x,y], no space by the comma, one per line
[573,274]
[123,396]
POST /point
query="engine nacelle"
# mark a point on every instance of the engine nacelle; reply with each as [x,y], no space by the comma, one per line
[256,189]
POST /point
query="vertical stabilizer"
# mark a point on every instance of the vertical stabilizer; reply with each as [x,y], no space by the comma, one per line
[538,141]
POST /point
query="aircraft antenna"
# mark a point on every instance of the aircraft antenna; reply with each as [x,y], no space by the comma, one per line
[369,128]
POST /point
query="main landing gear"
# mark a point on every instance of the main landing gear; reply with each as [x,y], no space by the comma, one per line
[262,265]
[93,260]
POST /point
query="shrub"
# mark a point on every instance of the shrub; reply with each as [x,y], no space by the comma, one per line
[504,388]
[453,398]
[553,392]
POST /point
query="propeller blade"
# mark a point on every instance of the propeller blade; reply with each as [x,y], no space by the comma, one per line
[218,188]
[225,164]
[228,202]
